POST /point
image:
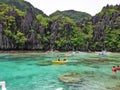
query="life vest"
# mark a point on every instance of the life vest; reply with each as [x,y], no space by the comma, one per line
[118,68]
[113,69]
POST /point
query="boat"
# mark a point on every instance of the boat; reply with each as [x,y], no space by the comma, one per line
[59,62]
[102,54]
[2,84]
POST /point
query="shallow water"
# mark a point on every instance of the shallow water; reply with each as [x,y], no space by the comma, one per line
[25,71]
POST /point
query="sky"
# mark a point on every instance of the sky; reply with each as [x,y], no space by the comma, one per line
[89,6]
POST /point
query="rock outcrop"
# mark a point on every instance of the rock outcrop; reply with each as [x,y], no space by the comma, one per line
[29,31]
[70,78]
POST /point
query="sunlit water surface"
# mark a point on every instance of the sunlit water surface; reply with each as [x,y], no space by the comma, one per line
[24,71]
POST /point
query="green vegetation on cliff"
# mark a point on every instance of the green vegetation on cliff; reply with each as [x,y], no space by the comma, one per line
[22,5]
[72,14]
[21,29]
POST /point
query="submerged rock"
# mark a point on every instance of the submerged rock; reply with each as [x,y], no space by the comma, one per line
[70,78]
[94,66]
[117,87]
[89,72]
[114,77]
[89,62]
[44,63]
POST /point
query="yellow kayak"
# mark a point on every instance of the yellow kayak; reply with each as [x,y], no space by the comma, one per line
[59,62]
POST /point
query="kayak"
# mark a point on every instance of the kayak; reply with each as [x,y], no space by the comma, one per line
[102,54]
[59,62]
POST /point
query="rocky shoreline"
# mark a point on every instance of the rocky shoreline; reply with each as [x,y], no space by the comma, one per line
[50,51]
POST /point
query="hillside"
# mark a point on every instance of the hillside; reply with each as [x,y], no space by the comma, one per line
[26,30]
[22,5]
[72,14]
[106,29]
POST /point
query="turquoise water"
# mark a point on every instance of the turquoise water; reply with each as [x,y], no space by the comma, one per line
[24,71]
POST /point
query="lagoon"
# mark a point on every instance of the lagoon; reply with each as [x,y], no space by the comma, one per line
[25,71]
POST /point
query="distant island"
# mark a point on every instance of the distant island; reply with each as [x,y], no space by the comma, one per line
[24,27]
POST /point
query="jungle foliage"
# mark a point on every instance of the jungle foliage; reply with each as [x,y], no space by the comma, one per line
[21,29]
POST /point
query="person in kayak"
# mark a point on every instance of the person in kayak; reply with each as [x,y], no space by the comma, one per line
[58,58]
[64,58]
